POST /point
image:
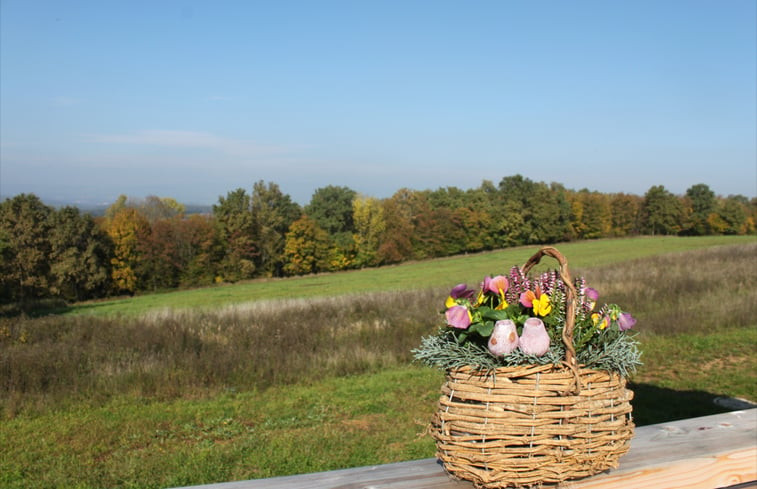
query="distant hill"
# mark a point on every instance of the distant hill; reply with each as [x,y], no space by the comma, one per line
[97,209]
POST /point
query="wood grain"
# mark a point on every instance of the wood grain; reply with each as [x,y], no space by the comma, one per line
[699,453]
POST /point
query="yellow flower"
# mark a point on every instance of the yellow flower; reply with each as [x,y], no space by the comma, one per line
[599,321]
[542,306]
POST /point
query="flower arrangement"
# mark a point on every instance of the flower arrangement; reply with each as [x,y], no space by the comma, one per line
[515,320]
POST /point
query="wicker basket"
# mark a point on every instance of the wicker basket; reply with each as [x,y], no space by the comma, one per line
[533,425]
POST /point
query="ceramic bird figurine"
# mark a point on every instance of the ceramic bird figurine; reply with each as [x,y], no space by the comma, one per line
[504,338]
[534,340]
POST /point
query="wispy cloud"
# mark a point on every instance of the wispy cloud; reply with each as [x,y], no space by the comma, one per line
[187,139]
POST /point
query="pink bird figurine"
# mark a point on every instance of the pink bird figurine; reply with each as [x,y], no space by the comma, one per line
[534,340]
[504,338]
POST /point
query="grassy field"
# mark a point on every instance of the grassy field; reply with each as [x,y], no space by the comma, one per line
[162,398]
[444,272]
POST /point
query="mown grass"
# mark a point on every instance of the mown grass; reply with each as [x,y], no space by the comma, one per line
[406,276]
[171,398]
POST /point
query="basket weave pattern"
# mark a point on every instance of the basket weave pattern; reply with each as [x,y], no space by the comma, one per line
[531,425]
[516,427]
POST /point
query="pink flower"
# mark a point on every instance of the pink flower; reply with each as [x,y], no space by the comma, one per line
[626,321]
[498,285]
[534,340]
[591,294]
[458,317]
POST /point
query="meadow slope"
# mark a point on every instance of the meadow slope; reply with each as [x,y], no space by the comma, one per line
[256,382]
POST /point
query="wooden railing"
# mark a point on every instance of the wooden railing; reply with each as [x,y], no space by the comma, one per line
[710,452]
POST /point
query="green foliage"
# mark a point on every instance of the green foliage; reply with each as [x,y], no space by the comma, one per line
[151,246]
[50,253]
[236,234]
[79,256]
[331,208]
[700,202]
[533,212]
[626,214]
[25,223]
[272,214]
[662,212]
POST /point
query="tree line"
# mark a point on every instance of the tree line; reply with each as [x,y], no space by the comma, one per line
[152,244]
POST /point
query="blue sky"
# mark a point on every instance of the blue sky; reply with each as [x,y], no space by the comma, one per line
[194,99]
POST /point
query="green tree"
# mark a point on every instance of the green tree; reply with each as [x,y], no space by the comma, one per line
[733,212]
[272,214]
[626,214]
[112,210]
[533,213]
[331,208]
[448,198]
[236,235]
[80,254]
[155,208]
[662,212]
[700,203]
[24,227]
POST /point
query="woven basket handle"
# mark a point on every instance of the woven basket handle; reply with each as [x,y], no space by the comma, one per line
[570,308]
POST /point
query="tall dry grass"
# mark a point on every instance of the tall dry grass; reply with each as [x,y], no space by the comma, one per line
[167,354]
[694,292]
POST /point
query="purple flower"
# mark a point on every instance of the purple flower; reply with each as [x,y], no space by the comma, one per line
[591,294]
[626,321]
[460,291]
[458,317]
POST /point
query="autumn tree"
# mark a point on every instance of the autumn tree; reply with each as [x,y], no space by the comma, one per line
[158,250]
[370,226]
[306,248]
[395,244]
[199,250]
[125,229]
[591,214]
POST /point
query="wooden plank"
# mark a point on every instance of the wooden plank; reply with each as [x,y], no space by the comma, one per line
[699,453]
[709,452]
